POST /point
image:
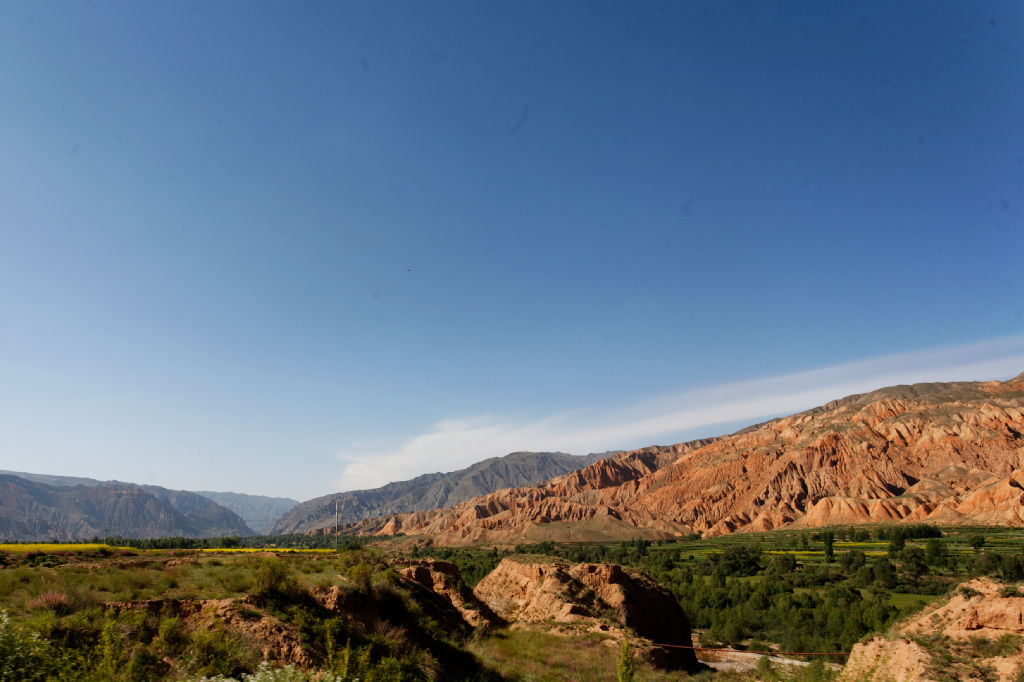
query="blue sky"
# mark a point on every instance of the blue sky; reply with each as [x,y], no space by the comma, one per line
[289,249]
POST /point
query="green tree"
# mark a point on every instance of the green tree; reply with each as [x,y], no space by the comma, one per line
[780,566]
[852,560]
[885,573]
[828,537]
[626,666]
[897,541]
[1012,568]
[914,563]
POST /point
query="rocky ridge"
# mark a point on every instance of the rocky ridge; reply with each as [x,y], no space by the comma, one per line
[258,512]
[430,491]
[442,578]
[939,452]
[598,598]
[35,512]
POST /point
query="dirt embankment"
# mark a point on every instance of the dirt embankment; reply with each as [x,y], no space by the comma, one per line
[442,578]
[978,633]
[598,598]
[276,641]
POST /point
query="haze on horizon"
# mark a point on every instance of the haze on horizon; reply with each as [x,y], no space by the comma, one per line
[296,249]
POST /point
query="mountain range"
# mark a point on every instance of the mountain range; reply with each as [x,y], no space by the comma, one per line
[258,512]
[947,453]
[36,507]
[431,491]
[35,511]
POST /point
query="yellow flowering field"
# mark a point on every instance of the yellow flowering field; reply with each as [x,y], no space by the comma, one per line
[26,547]
[276,550]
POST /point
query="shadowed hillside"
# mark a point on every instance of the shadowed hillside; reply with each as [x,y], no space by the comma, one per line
[31,511]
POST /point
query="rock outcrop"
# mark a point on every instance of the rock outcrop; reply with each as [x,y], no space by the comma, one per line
[888,660]
[980,627]
[591,597]
[943,453]
[442,578]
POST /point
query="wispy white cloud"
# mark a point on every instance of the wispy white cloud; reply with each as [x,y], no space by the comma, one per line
[455,443]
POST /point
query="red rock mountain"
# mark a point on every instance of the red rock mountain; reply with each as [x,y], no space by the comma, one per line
[947,453]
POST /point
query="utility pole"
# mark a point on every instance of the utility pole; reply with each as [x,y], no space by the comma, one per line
[335,525]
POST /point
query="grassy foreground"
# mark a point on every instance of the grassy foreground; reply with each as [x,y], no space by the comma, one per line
[115,612]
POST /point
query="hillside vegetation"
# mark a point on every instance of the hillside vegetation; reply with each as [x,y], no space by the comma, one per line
[388,613]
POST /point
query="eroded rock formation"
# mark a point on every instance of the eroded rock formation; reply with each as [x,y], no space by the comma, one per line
[943,453]
[979,627]
[591,597]
[442,578]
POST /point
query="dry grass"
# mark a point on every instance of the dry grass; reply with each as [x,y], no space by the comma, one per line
[540,656]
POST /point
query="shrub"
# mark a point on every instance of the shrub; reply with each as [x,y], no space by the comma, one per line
[1006,645]
[58,602]
[24,656]
[218,652]
[765,669]
[271,576]
[625,667]
[170,636]
[967,592]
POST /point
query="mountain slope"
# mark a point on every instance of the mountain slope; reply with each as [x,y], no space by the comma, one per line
[938,452]
[49,479]
[258,511]
[32,511]
[431,491]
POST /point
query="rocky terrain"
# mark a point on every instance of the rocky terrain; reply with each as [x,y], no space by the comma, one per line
[431,491]
[32,512]
[442,578]
[598,598]
[945,453]
[976,634]
[417,610]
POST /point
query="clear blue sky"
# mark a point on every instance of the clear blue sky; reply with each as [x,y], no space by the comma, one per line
[285,248]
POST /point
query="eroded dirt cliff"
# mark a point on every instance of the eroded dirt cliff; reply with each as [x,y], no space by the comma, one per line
[978,633]
[600,598]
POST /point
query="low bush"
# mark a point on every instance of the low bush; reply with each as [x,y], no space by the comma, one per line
[24,655]
[271,577]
